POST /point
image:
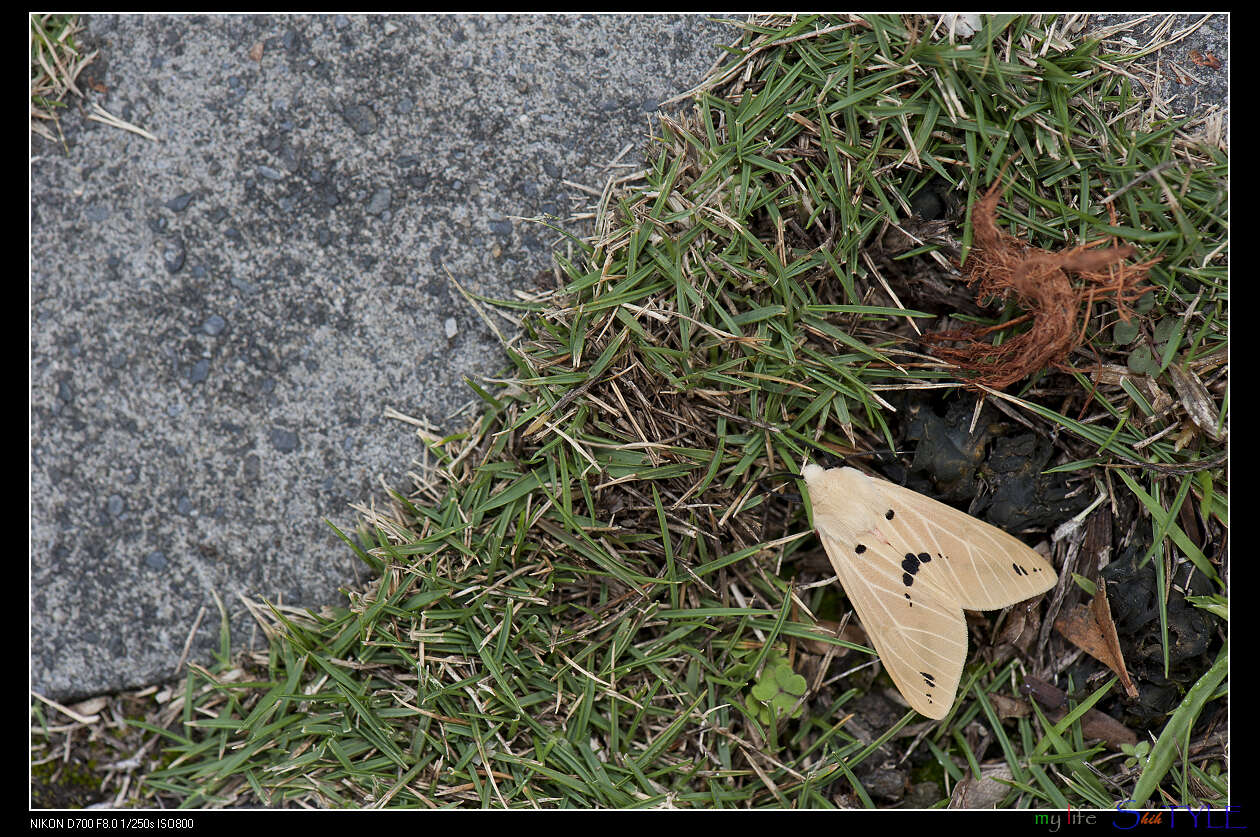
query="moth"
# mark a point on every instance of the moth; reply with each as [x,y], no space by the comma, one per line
[910,565]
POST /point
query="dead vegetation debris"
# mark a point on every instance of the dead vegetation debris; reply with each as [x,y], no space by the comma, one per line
[1041,282]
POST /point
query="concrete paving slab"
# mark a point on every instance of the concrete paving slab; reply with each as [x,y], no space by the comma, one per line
[220,317]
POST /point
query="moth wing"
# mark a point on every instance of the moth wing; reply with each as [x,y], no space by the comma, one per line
[922,642]
[910,565]
[974,563]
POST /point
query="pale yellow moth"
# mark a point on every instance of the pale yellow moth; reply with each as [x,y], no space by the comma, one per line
[910,565]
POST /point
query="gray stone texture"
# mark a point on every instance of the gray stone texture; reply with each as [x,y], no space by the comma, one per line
[220,318]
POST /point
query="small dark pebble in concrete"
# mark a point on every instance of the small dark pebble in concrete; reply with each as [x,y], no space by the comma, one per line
[214,325]
[200,371]
[283,440]
[179,204]
[380,201]
[361,118]
[174,256]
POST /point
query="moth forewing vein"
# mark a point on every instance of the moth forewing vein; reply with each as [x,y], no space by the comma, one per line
[887,567]
[905,508]
[932,527]
[938,551]
[873,624]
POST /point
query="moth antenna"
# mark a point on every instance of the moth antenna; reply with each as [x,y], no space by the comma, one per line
[833,459]
[781,475]
[877,452]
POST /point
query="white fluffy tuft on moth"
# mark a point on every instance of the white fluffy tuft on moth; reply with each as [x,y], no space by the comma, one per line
[910,565]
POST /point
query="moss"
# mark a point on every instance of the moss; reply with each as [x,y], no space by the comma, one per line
[61,785]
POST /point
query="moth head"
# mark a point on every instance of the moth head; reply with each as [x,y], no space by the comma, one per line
[832,489]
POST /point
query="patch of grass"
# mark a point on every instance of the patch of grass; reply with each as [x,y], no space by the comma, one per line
[56,61]
[587,584]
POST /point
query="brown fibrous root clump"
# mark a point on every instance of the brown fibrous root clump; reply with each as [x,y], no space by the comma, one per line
[1042,282]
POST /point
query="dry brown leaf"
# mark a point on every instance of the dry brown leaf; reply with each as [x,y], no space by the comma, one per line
[1196,400]
[1189,521]
[1009,707]
[1091,628]
[91,706]
[1047,695]
[984,792]
[1023,622]
[1205,59]
[256,52]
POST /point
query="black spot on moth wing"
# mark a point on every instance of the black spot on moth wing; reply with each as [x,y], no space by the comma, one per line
[888,515]
[911,565]
[975,555]
[860,548]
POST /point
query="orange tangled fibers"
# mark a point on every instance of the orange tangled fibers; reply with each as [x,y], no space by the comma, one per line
[1042,283]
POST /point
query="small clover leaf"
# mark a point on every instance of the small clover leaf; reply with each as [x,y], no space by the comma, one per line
[1137,753]
[778,691]
[1124,333]
[1143,362]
